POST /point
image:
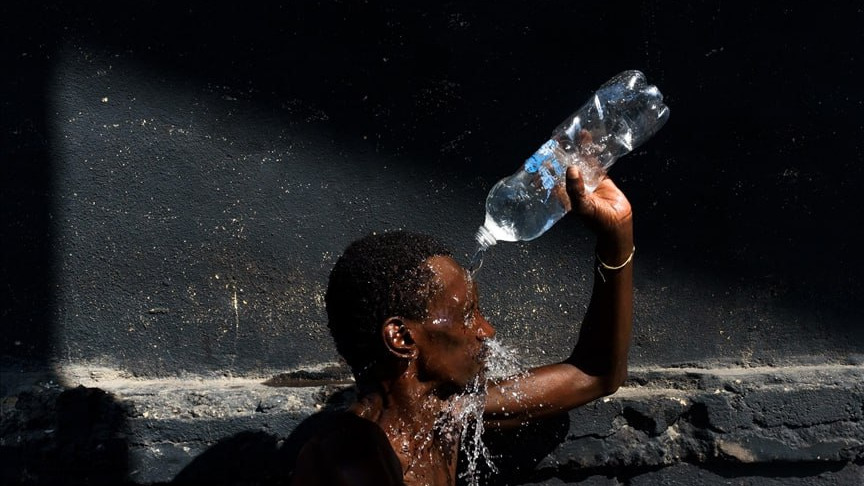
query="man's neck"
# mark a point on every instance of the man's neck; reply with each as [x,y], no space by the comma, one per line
[399,402]
[410,416]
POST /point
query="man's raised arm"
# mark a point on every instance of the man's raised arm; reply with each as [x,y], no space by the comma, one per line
[598,363]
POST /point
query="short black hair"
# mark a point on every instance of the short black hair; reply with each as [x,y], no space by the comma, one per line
[379,276]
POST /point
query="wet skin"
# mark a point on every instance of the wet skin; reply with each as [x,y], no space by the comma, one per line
[450,340]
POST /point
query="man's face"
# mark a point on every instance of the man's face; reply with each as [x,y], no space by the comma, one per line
[450,339]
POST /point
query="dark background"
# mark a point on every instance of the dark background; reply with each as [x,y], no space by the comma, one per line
[179,177]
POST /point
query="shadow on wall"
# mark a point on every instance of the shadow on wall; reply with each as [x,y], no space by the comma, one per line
[72,437]
[27,271]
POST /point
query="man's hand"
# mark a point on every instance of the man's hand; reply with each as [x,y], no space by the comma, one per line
[606,211]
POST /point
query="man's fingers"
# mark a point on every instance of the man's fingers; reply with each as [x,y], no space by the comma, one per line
[575,183]
[579,199]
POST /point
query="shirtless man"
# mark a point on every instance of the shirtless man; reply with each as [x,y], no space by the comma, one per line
[405,317]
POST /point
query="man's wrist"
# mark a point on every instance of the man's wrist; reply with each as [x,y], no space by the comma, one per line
[614,245]
[604,268]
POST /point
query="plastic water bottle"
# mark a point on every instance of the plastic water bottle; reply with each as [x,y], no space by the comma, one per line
[621,115]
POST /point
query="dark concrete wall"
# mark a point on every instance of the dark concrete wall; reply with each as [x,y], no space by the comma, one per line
[179,179]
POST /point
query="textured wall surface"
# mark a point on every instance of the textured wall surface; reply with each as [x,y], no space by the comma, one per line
[800,425]
[178,180]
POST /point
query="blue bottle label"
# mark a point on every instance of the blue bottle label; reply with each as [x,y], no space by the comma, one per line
[541,155]
[548,168]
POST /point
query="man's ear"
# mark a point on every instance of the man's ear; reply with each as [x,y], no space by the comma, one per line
[397,337]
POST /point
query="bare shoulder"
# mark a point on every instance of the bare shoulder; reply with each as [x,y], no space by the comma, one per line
[340,448]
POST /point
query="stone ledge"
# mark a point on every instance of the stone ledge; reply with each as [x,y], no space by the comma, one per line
[735,422]
[146,431]
[777,416]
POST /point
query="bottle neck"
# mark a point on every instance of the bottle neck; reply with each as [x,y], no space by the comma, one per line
[484,238]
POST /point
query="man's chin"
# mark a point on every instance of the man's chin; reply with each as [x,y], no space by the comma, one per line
[472,384]
[477,382]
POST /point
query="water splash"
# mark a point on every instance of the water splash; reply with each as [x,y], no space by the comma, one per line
[463,415]
[502,361]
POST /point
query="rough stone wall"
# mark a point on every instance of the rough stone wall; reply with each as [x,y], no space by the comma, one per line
[801,425]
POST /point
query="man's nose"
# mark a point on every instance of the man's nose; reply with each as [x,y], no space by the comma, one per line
[485,330]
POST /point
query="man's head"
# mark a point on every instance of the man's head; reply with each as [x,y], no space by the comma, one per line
[377,277]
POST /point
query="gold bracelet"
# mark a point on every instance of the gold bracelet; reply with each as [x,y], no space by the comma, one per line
[601,265]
